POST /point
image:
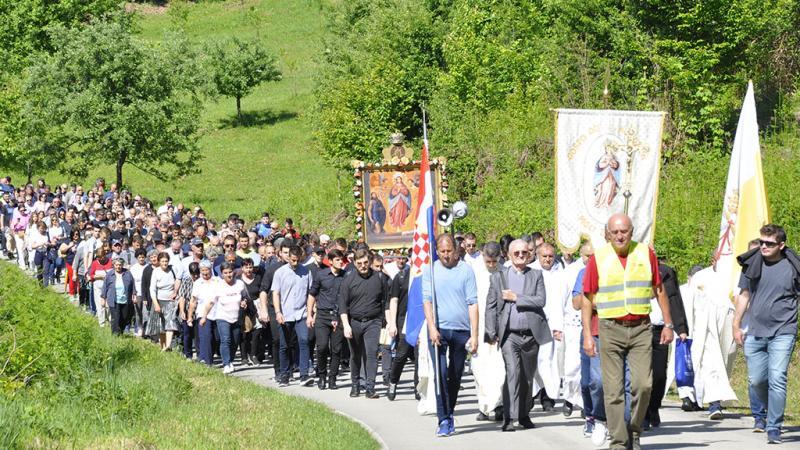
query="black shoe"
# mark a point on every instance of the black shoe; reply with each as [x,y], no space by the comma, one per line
[526,423]
[646,425]
[371,394]
[566,409]
[391,391]
[417,396]
[345,368]
[689,406]
[332,384]
[306,381]
[355,391]
[655,420]
[508,426]
[321,384]
[283,383]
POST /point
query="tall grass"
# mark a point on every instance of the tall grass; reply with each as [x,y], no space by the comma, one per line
[64,382]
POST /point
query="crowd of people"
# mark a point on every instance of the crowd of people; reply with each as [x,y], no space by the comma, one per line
[593,329]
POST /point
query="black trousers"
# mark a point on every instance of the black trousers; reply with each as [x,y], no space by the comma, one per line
[364,344]
[121,315]
[660,355]
[83,291]
[329,343]
[403,353]
[275,331]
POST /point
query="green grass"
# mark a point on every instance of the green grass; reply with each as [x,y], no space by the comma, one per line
[70,384]
[269,163]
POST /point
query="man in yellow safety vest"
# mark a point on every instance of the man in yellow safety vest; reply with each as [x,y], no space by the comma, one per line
[619,281]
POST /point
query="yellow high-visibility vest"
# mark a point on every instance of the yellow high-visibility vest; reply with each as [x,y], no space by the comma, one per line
[623,291]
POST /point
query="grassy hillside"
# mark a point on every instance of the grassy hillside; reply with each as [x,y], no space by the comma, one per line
[65,383]
[266,163]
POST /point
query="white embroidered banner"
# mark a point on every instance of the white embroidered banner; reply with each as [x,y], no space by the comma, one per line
[604,158]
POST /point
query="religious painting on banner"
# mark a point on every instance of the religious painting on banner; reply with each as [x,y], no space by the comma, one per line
[387,196]
[607,162]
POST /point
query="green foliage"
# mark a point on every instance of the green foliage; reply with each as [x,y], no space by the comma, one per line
[238,66]
[106,97]
[381,66]
[69,384]
[25,24]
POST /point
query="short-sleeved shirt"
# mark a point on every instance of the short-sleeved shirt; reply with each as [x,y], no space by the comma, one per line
[578,290]
[292,286]
[204,291]
[773,300]
[591,278]
[456,291]
[229,300]
[399,290]
[325,288]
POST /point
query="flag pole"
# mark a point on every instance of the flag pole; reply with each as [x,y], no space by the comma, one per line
[436,368]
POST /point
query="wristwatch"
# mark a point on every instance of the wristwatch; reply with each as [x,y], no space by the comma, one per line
[670,326]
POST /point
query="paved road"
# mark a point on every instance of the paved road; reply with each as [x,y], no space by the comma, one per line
[400,427]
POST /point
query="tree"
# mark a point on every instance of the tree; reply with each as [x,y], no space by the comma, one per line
[239,66]
[105,97]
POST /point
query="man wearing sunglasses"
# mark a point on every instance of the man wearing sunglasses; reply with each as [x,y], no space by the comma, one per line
[769,283]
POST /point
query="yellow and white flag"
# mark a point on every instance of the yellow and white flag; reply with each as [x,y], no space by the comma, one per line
[745,209]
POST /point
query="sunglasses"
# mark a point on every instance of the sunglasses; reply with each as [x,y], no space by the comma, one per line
[228,245]
[768,244]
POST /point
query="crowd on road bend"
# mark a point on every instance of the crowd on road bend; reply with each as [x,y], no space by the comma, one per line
[592,330]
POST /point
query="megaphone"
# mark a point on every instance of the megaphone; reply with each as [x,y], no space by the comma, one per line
[444,217]
[459,210]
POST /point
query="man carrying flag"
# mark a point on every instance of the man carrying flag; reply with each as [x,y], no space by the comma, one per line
[450,307]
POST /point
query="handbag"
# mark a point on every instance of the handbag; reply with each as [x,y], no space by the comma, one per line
[684,370]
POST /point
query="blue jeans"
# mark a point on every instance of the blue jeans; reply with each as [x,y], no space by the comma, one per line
[205,338]
[767,368]
[592,385]
[450,372]
[230,334]
[758,409]
[288,332]
[188,338]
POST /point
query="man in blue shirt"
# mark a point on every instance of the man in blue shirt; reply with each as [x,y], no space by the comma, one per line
[452,327]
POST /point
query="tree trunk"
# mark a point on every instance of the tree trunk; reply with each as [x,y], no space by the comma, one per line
[239,108]
[29,172]
[123,155]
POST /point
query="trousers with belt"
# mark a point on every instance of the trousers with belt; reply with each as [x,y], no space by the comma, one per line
[520,352]
[660,356]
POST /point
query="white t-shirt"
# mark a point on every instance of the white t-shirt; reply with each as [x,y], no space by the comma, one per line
[205,291]
[229,297]
[137,270]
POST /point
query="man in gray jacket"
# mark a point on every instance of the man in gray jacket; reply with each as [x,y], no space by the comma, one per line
[515,318]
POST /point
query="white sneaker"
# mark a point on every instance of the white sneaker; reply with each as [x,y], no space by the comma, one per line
[227,369]
[600,434]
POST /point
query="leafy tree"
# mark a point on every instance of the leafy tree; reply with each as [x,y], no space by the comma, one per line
[24,25]
[105,97]
[238,66]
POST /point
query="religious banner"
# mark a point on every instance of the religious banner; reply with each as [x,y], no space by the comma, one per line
[607,162]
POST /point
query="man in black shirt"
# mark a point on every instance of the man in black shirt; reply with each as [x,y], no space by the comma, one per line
[324,320]
[395,318]
[267,311]
[362,297]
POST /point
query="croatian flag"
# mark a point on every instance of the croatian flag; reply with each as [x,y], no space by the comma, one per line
[424,250]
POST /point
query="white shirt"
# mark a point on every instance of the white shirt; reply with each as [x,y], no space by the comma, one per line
[228,300]
[137,270]
[205,291]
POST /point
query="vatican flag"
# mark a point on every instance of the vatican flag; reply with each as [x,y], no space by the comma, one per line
[744,209]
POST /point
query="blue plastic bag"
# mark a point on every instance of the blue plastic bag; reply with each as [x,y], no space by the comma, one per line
[684,370]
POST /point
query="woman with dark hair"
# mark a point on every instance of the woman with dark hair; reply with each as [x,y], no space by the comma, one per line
[97,275]
[137,271]
[251,327]
[204,290]
[229,301]
[184,298]
[164,286]
[66,252]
